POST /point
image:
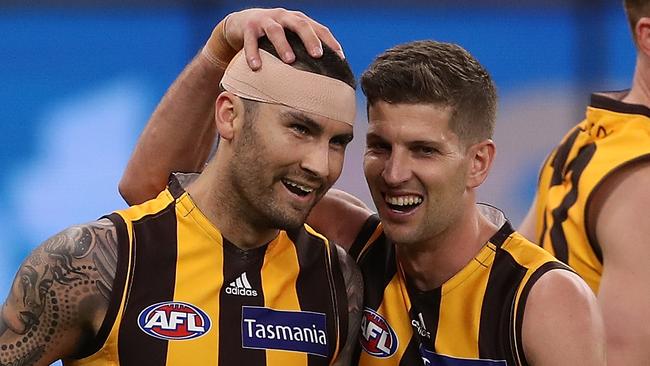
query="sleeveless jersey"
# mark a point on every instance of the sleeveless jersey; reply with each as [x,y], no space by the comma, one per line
[473,319]
[184,295]
[613,135]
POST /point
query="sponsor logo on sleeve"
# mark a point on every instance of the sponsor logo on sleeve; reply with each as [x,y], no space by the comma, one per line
[377,337]
[174,320]
[298,331]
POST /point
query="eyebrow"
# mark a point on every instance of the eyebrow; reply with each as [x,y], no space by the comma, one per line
[433,143]
[309,122]
[316,127]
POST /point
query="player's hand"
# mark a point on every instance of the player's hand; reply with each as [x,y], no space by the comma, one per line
[243,28]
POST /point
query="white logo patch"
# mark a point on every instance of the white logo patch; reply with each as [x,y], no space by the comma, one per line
[241,287]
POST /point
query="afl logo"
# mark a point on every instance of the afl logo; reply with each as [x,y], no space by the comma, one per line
[174,321]
[377,337]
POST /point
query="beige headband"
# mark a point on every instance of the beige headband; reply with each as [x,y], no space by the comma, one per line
[278,83]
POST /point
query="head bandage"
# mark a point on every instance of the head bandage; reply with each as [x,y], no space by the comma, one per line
[278,83]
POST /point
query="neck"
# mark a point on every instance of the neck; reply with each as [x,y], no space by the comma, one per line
[431,263]
[213,195]
[640,91]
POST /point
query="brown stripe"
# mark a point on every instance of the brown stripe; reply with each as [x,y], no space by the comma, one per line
[561,213]
[236,262]
[364,235]
[601,101]
[378,267]
[428,304]
[495,339]
[152,281]
[341,295]
[411,354]
[314,288]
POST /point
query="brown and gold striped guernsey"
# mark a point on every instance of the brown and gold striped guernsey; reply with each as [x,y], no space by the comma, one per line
[473,319]
[184,295]
[613,135]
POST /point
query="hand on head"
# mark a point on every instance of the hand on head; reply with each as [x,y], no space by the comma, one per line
[242,30]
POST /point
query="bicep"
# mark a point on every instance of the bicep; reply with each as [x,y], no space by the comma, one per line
[56,296]
[561,312]
[354,290]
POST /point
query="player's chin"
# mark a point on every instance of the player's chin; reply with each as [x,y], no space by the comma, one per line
[291,218]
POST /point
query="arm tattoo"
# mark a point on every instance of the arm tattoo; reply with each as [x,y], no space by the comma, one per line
[60,293]
[354,289]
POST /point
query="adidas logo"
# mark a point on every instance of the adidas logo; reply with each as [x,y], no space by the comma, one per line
[241,287]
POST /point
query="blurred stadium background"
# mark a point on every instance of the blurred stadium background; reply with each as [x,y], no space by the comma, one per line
[79,80]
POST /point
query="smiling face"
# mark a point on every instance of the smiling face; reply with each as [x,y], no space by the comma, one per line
[284,161]
[416,168]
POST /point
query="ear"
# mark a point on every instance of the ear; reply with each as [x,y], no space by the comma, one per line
[642,35]
[481,156]
[228,107]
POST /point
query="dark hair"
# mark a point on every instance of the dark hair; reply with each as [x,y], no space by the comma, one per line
[635,10]
[429,72]
[330,64]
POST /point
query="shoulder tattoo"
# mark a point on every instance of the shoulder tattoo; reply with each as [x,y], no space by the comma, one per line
[57,294]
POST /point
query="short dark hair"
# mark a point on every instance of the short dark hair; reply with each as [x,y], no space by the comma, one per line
[635,10]
[330,64]
[430,72]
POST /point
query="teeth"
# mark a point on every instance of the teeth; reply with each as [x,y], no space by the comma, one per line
[299,186]
[403,200]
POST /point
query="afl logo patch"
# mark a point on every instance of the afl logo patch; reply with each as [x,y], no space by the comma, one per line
[174,321]
[377,337]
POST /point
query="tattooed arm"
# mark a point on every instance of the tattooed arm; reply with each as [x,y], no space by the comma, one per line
[60,296]
[354,289]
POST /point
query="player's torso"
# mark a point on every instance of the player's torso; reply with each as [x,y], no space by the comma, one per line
[473,319]
[192,298]
[607,140]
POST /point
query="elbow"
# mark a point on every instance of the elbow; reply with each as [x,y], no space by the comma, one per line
[135,190]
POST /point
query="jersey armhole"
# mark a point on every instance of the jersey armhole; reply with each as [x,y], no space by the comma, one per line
[521,306]
[593,241]
[118,288]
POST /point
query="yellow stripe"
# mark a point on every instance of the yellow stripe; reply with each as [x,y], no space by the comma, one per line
[201,284]
[392,309]
[460,313]
[378,231]
[279,273]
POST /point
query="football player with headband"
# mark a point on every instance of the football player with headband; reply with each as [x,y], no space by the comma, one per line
[219,268]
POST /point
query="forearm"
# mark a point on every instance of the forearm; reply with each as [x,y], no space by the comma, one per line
[179,134]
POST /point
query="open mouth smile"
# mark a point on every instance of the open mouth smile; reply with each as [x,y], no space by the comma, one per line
[296,188]
[404,203]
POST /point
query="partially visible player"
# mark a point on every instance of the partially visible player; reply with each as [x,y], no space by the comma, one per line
[219,269]
[591,200]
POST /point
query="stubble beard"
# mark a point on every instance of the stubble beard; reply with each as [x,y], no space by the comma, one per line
[256,201]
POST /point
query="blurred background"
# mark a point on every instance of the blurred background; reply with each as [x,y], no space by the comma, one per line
[79,80]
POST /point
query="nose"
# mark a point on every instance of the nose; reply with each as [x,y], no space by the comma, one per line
[396,169]
[316,160]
